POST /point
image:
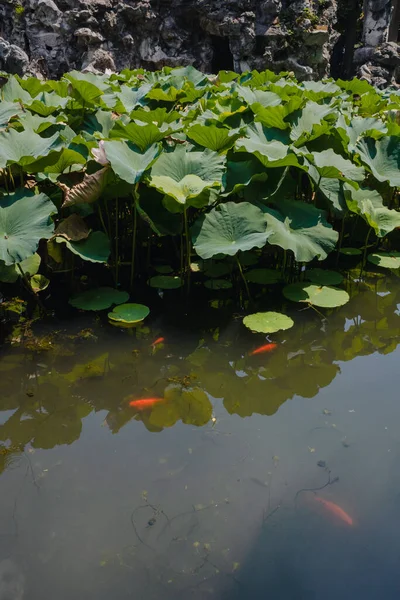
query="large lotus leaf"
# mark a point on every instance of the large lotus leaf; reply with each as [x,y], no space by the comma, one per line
[369,205]
[386,260]
[304,121]
[127,161]
[25,219]
[358,128]
[98,298]
[24,147]
[10,273]
[330,164]
[58,162]
[275,116]
[229,228]
[330,188]
[185,175]
[212,137]
[253,96]
[8,110]
[382,157]
[323,296]
[84,90]
[142,136]
[12,91]
[129,313]
[302,228]
[128,98]
[270,152]
[268,322]
[96,248]
[240,174]
[159,116]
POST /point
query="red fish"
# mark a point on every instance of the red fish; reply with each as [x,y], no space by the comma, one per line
[335,510]
[262,349]
[145,403]
[159,340]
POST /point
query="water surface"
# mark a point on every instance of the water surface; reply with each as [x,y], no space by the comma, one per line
[201,496]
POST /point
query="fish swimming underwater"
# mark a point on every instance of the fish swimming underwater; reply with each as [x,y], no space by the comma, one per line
[159,340]
[266,348]
[145,403]
[335,510]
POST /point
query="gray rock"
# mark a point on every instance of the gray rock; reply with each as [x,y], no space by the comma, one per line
[12,58]
[88,36]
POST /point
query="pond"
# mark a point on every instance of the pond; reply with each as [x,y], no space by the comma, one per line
[272,474]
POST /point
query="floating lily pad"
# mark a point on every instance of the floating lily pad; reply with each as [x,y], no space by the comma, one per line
[323,296]
[324,277]
[166,282]
[350,251]
[98,298]
[164,269]
[218,284]
[128,315]
[263,276]
[386,260]
[268,322]
[247,259]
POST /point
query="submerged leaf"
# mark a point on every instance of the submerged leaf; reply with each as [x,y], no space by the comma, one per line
[165,282]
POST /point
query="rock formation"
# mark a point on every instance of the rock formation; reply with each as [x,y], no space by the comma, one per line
[312,38]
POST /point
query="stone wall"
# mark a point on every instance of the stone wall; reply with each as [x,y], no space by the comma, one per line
[50,37]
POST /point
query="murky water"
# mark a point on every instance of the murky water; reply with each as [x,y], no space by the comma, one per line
[210,493]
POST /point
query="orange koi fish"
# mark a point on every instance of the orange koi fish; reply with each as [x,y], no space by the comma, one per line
[145,403]
[262,349]
[159,340]
[335,510]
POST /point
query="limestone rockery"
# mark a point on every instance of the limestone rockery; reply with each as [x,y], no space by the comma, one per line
[312,38]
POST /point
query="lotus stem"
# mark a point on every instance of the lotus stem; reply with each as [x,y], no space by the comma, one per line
[116,242]
[341,235]
[102,219]
[243,277]
[365,249]
[188,249]
[134,234]
[29,287]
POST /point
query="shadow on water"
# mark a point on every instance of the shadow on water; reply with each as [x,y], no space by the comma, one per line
[210,506]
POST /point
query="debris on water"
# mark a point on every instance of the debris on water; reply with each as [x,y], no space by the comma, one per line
[235,566]
[311,449]
[352,411]
[321,463]
[30,394]
[345,443]
[151,522]
[259,482]
[326,411]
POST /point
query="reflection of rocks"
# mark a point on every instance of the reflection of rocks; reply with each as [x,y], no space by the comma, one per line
[11,581]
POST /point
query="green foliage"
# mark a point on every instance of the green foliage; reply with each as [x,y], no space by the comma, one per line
[168,164]
[268,322]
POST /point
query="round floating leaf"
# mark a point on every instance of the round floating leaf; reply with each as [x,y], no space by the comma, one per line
[39,283]
[229,228]
[386,260]
[322,277]
[129,314]
[98,298]
[350,251]
[218,284]
[323,296]
[217,269]
[268,322]
[163,269]
[165,282]
[24,221]
[263,276]
[247,259]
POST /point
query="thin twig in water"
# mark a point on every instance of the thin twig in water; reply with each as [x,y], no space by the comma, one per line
[329,482]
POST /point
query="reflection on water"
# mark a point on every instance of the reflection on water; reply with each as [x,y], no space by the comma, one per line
[187,499]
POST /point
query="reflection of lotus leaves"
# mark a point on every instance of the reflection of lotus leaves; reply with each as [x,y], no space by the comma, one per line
[191,406]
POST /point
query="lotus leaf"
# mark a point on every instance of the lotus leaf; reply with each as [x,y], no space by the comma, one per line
[217,269]
[127,161]
[267,322]
[302,228]
[29,266]
[333,165]
[382,157]
[95,248]
[322,296]
[129,313]
[164,269]
[39,283]
[350,251]
[24,147]
[386,260]
[184,175]
[212,137]
[269,151]
[324,277]
[98,298]
[369,205]
[165,282]
[229,228]
[142,136]
[24,221]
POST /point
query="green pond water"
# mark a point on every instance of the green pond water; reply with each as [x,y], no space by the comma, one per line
[208,494]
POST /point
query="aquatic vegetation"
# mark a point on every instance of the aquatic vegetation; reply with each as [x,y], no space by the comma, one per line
[268,322]
[129,179]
